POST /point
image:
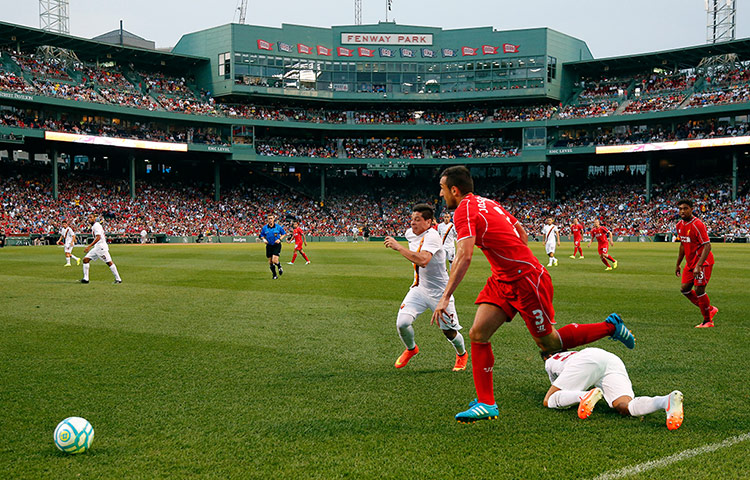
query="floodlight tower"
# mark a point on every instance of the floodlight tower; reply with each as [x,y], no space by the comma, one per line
[54,17]
[721,26]
[242,11]
[357,12]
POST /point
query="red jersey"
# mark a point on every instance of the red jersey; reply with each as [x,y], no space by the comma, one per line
[299,236]
[493,230]
[601,235]
[693,236]
[577,230]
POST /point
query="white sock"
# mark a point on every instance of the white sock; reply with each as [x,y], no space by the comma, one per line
[458,343]
[405,330]
[68,260]
[565,398]
[644,405]
[73,257]
[86,271]
[113,268]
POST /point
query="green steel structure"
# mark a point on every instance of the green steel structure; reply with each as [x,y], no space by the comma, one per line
[371,68]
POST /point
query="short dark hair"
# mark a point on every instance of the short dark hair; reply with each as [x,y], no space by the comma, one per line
[425,210]
[459,177]
[685,201]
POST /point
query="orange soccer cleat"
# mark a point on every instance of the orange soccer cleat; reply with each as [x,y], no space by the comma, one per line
[461,361]
[406,356]
[675,412]
[588,401]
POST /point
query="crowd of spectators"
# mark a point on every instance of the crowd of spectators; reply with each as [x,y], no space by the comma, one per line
[656,103]
[383,148]
[593,109]
[604,88]
[295,148]
[721,96]
[472,148]
[530,113]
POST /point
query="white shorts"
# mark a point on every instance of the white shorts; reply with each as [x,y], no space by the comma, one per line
[550,247]
[450,253]
[98,253]
[417,301]
[68,248]
[599,368]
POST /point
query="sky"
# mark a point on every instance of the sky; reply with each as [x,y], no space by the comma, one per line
[609,27]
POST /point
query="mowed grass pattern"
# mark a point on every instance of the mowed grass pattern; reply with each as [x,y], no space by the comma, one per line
[199,365]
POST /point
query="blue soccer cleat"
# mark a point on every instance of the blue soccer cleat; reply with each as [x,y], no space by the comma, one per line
[478,411]
[622,334]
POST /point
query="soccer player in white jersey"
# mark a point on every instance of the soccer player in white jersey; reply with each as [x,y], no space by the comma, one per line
[447,232]
[68,239]
[430,278]
[572,373]
[98,250]
[551,240]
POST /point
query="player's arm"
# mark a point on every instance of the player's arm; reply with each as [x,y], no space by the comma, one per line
[551,390]
[60,242]
[680,257]
[521,232]
[591,238]
[420,259]
[611,240]
[97,237]
[702,258]
[557,233]
[459,267]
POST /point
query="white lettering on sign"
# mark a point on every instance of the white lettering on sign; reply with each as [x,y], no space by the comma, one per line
[386,39]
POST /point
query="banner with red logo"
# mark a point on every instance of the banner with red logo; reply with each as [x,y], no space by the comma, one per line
[324,51]
[510,48]
[468,51]
[344,52]
[365,52]
[302,48]
[263,45]
[489,50]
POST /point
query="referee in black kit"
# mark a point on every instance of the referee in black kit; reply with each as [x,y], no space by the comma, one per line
[272,235]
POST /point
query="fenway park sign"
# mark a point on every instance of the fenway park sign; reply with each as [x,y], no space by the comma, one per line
[386,39]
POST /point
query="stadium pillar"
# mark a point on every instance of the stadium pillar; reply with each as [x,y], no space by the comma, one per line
[552,182]
[648,179]
[322,185]
[735,169]
[131,159]
[217,180]
[53,158]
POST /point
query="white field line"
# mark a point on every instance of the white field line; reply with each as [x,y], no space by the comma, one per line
[677,457]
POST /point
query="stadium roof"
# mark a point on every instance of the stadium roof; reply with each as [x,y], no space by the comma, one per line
[12,35]
[688,57]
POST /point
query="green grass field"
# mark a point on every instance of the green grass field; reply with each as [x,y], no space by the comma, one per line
[199,365]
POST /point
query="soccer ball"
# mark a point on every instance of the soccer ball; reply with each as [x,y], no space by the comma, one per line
[74,435]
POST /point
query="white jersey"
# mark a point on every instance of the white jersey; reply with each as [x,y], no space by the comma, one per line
[67,234]
[434,277]
[97,229]
[447,232]
[549,232]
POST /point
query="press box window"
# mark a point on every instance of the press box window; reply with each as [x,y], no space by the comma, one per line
[225,65]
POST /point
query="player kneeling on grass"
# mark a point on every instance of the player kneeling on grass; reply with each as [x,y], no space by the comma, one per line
[572,373]
[430,278]
[98,249]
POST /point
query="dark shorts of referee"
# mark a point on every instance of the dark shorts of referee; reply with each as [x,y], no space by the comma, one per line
[274,249]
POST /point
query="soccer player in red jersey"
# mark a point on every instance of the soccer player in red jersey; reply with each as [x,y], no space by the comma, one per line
[603,239]
[518,284]
[577,230]
[299,240]
[695,247]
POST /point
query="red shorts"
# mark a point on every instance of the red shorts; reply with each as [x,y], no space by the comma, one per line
[298,246]
[530,295]
[602,248]
[702,280]
[577,242]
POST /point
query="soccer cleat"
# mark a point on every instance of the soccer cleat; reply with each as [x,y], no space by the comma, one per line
[307,262]
[117,282]
[84,281]
[573,257]
[555,262]
[608,268]
[78,261]
[586,406]
[404,358]
[289,263]
[712,312]
[675,412]
[581,257]
[478,411]
[281,272]
[707,324]
[461,361]
[615,265]
[275,277]
[622,334]
[67,265]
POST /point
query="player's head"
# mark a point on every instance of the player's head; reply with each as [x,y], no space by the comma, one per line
[447,217]
[271,220]
[596,223]
[92,218]
[295,224]
[455,183]
[575,221]
[64,223]
[685,208]
[550,220]
[421,218]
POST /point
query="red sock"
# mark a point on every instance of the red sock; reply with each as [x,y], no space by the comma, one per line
[304,256]
[482,361]
[294,257]
[609,257]
[605,261]
[574,334]
[705,305]
[578,250]
[693,297]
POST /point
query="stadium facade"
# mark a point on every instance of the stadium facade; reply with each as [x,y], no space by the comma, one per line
[531,99]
